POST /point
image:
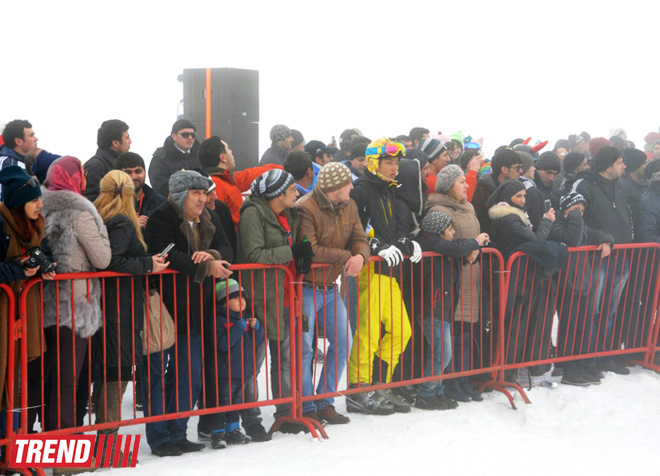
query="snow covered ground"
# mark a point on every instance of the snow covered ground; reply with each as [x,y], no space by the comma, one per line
[610,429]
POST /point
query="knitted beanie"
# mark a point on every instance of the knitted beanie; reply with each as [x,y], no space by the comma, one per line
[18,187]
[634,159]
[279,132]
[432,147]
[227,289]
[183,180]
[548,161]
[333,176]
[446,178]
[567,201]
[596,143]
[605,158]
[572,161]
[526,159]
[182,124]
[435,223]
[271,184]
[504,192]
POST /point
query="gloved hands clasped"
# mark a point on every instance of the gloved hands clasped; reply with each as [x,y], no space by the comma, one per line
[302,255]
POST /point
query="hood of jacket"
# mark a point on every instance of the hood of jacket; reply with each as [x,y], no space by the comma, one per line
[502,209]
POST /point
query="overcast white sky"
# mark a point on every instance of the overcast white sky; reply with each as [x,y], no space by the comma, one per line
[497,70]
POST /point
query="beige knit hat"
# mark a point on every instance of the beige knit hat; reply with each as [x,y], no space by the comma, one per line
[334,176]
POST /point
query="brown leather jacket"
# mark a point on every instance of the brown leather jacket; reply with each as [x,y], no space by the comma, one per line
[335,232]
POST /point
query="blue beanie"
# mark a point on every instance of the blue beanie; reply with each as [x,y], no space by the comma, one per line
[18,187]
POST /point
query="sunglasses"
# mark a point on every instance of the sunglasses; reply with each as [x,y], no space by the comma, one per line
[32,182]
[392,149]
[186,135]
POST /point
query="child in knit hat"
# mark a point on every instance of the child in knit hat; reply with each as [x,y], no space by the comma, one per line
[237,334]
[441,283]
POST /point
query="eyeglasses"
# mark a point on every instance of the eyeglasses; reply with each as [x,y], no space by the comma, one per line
[186,135]
[32,182]
[392,149]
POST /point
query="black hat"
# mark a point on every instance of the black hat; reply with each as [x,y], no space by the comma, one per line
[18,187]
[605,158]
[505,191]
[316,148]
[182,124]
[572,161]
[634,159]
[567,201]
[548,161]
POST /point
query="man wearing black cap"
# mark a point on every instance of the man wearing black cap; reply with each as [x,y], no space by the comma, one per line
[633,183]
[112,139]
[548,167]
[178,152]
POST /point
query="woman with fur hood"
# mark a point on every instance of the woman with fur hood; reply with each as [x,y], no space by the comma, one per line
[511,226]
[78,240]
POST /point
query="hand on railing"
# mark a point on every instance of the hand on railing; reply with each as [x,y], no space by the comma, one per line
[220,269]
[605,249]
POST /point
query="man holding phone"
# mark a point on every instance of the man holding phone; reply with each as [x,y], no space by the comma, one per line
[547,167]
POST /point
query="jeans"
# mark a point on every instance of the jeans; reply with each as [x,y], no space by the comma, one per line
[220,421]
[280,373]
[438,335]
[613,274]
[153,372]
[328,309]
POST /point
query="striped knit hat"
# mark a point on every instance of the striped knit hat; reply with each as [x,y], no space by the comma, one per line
[271,184]
[432,147]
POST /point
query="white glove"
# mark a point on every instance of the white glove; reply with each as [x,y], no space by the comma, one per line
[417,253]
[392,255]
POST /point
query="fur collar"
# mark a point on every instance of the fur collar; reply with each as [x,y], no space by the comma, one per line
[503,209]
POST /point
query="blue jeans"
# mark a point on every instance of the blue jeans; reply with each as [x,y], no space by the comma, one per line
[327,308]
[613,273]
[177,377]
[441,346]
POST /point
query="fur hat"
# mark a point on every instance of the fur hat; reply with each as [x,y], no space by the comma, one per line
[184,180]
[182,124]
[567,201]
[435,223]
[572,161]
[446,178]
[549,161]
[18,187]
[634,159]
[271,184]
[227,289]
[333,176]
[605,158]
[279,132]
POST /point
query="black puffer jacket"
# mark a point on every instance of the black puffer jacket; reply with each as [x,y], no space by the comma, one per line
[510,228]
[607,208]
[167,160]
[103,162]
[633,191]
[123,321]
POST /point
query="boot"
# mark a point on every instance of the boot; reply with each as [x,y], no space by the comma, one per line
[454,391]
[369,403]
[400,404]
[467,388]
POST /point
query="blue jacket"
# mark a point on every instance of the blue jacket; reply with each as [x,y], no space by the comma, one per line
[9,156]
[237,343]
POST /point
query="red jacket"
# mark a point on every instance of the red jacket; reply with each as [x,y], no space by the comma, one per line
[230,185]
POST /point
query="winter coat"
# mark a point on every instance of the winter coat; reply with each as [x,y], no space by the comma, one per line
[607,208]
[237,343]
[230,185]
[192,287]
[273,155]
[123,321]
[100,164]
[78,240]
[649,215]
[534,201]
[12,246]
[440,296]
[167,160]
[486,185]
[633,192]
[467,226]
[335,232]
[262,239]
[548,193]
[511,228]
[149,202]
[9,156]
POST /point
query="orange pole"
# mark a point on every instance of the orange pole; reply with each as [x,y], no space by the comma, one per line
[208,103]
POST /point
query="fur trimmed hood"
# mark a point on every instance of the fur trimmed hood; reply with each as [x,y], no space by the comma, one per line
[503,209]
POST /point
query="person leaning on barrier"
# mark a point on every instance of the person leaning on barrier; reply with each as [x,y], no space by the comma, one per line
[117,347]
[329,219]
[78,240]
[380,299]
[201,252]
[21,230]
[266,233]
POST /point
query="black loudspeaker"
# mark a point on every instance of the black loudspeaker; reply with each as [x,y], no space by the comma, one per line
[234,96]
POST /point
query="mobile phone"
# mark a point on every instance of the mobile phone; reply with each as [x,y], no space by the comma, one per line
[166,250]
[332,140]
[548,205]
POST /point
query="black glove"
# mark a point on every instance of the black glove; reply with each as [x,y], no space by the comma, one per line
[406,246]
[302,255]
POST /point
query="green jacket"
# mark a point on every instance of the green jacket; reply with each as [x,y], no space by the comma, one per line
[262,239]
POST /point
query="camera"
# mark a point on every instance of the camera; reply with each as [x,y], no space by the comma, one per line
[37,258]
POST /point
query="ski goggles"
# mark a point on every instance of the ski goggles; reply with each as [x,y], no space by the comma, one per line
[392,149]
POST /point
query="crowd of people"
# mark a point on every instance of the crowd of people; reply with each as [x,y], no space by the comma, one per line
[333,204]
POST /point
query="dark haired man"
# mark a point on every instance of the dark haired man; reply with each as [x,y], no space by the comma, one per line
[417,134]
[19,139]
[146,198]
[179,152]
[300,165]
[112,139]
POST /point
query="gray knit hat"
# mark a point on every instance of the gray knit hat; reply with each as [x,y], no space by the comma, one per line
[446,178]
[526,159]
[435,223]
[227,289]
[184,180]
[334,176]
[271,184]
[432,147]
[279,132]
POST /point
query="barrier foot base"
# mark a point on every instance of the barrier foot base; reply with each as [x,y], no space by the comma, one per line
[313,426]
[499,386]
